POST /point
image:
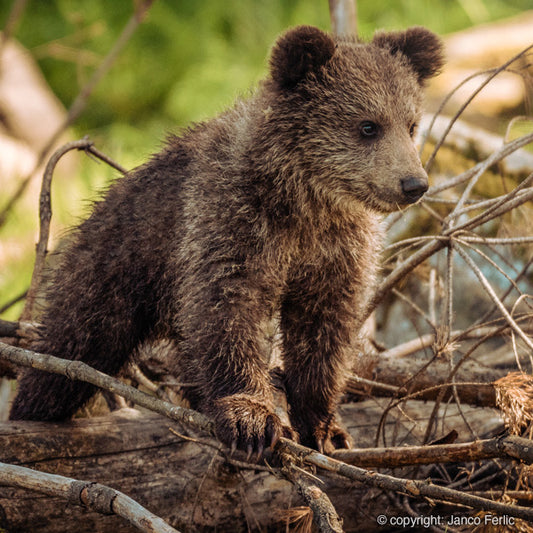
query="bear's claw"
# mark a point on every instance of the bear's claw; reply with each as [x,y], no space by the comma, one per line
[247,423]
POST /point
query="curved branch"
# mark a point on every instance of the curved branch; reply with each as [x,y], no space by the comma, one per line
[45,214]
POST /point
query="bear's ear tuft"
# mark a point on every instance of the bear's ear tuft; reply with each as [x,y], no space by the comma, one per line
[297,53]
[421,47]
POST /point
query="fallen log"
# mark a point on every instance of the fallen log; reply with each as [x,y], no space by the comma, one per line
[183,479]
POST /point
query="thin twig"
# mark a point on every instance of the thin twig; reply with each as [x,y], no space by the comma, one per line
[415,307]
[494,297]
[492,74]
[497,240]
[495,265]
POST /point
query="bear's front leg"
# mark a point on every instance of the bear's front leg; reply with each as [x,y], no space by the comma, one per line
[318,329]
[223,326]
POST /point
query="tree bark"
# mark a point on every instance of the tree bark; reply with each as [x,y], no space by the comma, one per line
[343,15]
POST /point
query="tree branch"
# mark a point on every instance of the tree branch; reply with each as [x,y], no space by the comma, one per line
[394,457]
[80,371]
[94,496]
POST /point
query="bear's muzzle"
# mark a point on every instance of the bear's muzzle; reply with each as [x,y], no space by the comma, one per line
[414,188]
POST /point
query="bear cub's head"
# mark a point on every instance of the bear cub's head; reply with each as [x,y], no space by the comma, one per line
[354,109]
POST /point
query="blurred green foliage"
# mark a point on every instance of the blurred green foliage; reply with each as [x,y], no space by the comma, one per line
[188,60]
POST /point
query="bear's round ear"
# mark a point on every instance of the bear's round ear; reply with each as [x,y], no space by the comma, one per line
[421,47]
[297,53]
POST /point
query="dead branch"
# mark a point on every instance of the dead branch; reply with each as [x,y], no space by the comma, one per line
[324,514]
[473,393]
[45,216]
[412,487]
[94,496]
[393,457]
[80,371]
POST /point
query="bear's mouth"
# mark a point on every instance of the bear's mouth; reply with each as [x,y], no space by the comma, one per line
[387,200]
[384,201]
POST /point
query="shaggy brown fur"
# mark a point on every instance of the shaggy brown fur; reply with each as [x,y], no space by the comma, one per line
[271,209]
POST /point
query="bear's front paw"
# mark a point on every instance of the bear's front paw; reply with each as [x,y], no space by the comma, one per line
[327,436]
[332,437]
[245,422]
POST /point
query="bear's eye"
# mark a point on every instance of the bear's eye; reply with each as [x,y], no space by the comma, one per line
[412,129]
[368,129]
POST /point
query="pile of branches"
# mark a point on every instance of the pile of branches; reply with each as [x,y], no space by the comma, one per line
[449,366]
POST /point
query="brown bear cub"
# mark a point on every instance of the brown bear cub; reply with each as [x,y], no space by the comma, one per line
[271,210]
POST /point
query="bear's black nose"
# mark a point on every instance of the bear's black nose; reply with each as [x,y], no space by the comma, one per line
[414,188]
